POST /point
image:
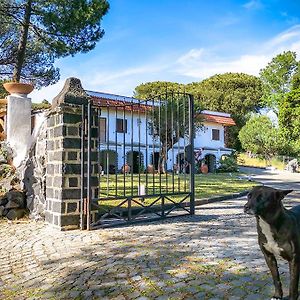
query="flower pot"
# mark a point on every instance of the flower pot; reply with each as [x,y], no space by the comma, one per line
[126,169]
[18,88]
[3,102]
[2,136]
[150,169]
[204,169]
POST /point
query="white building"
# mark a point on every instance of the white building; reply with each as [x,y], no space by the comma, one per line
[125,137]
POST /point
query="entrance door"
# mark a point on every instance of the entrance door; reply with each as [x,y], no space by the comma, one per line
[155,160]
[210,161]
[135,161]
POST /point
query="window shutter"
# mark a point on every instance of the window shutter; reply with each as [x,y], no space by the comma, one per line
[102,132]
[215,134]
[119,125]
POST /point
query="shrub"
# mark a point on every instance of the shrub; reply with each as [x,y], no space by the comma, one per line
[228,164]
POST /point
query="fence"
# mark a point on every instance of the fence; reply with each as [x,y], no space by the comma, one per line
[145,160]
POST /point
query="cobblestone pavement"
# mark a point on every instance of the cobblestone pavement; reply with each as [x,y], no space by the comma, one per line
[213,255]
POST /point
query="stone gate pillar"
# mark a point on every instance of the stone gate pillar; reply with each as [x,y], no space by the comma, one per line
[63,169]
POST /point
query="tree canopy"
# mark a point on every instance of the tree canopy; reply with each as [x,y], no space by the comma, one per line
[236,93]
[289,121]
[169,122]
[277,78]
[36,32]
[260,136]
[3,92]
[152,90]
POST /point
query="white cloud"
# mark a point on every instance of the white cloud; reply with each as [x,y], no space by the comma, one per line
[191,55]
[285,38]
[210,63]
[48,92]
[228,20]
[194,65]
[253,4]
[112,81]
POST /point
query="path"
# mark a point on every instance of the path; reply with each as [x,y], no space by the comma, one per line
[213,255]
[278,179]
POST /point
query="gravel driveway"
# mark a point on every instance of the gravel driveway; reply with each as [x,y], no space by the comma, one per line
[212,255]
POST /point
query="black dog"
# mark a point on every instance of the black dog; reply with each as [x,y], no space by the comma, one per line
[278,233]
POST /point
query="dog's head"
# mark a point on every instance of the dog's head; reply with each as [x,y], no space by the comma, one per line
[263,200]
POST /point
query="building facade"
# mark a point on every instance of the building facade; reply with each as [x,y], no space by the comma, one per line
[125,138]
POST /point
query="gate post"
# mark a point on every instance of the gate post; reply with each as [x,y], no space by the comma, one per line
[192,155]
[63,169]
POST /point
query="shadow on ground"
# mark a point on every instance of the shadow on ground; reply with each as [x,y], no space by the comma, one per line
[212,255]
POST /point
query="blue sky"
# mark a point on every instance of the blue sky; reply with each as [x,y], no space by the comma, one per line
[182,41]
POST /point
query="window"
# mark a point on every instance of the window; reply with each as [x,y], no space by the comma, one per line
[215,134]
[121,125]
[102,131]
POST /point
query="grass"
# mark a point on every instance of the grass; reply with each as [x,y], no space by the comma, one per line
[245,160]
[206,186]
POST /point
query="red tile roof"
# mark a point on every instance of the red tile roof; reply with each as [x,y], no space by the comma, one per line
[120,104]
[226,121]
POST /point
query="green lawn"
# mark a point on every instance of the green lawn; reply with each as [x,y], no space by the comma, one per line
[245,160]
[206,186]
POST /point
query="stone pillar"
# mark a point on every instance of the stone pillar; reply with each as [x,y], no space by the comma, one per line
[63,170]
[19,125]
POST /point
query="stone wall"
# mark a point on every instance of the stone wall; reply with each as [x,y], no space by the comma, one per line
[33,172]
[51,172]
[63,171]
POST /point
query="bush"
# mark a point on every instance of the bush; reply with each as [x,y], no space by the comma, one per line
[228,164]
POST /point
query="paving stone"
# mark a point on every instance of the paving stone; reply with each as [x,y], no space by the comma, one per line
[213,254]
[73,294]
[163,297]
[253,297]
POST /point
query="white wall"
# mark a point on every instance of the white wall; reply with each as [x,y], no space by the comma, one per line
[138,135]
[204,137]
[139,128]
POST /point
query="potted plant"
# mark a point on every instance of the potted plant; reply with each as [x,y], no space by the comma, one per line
[204,168]
[18,88]
[126,169]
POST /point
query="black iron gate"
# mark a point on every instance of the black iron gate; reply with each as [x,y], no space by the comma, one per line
[145,159]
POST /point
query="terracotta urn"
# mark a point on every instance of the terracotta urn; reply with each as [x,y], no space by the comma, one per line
[204,169]
[126,169]
[3,102]
[18,88]
[150,169]
[2,136]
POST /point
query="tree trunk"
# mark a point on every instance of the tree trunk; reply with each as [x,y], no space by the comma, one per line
[22,42]
[161,162]
[162,166]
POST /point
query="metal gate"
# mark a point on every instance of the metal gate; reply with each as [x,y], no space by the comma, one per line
[145,159]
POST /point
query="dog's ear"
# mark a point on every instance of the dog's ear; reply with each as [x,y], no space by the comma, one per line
[280,194]
[285,192]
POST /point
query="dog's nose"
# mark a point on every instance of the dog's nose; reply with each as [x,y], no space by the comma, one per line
[248,210]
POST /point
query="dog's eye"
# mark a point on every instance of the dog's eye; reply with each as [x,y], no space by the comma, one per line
[249,195]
